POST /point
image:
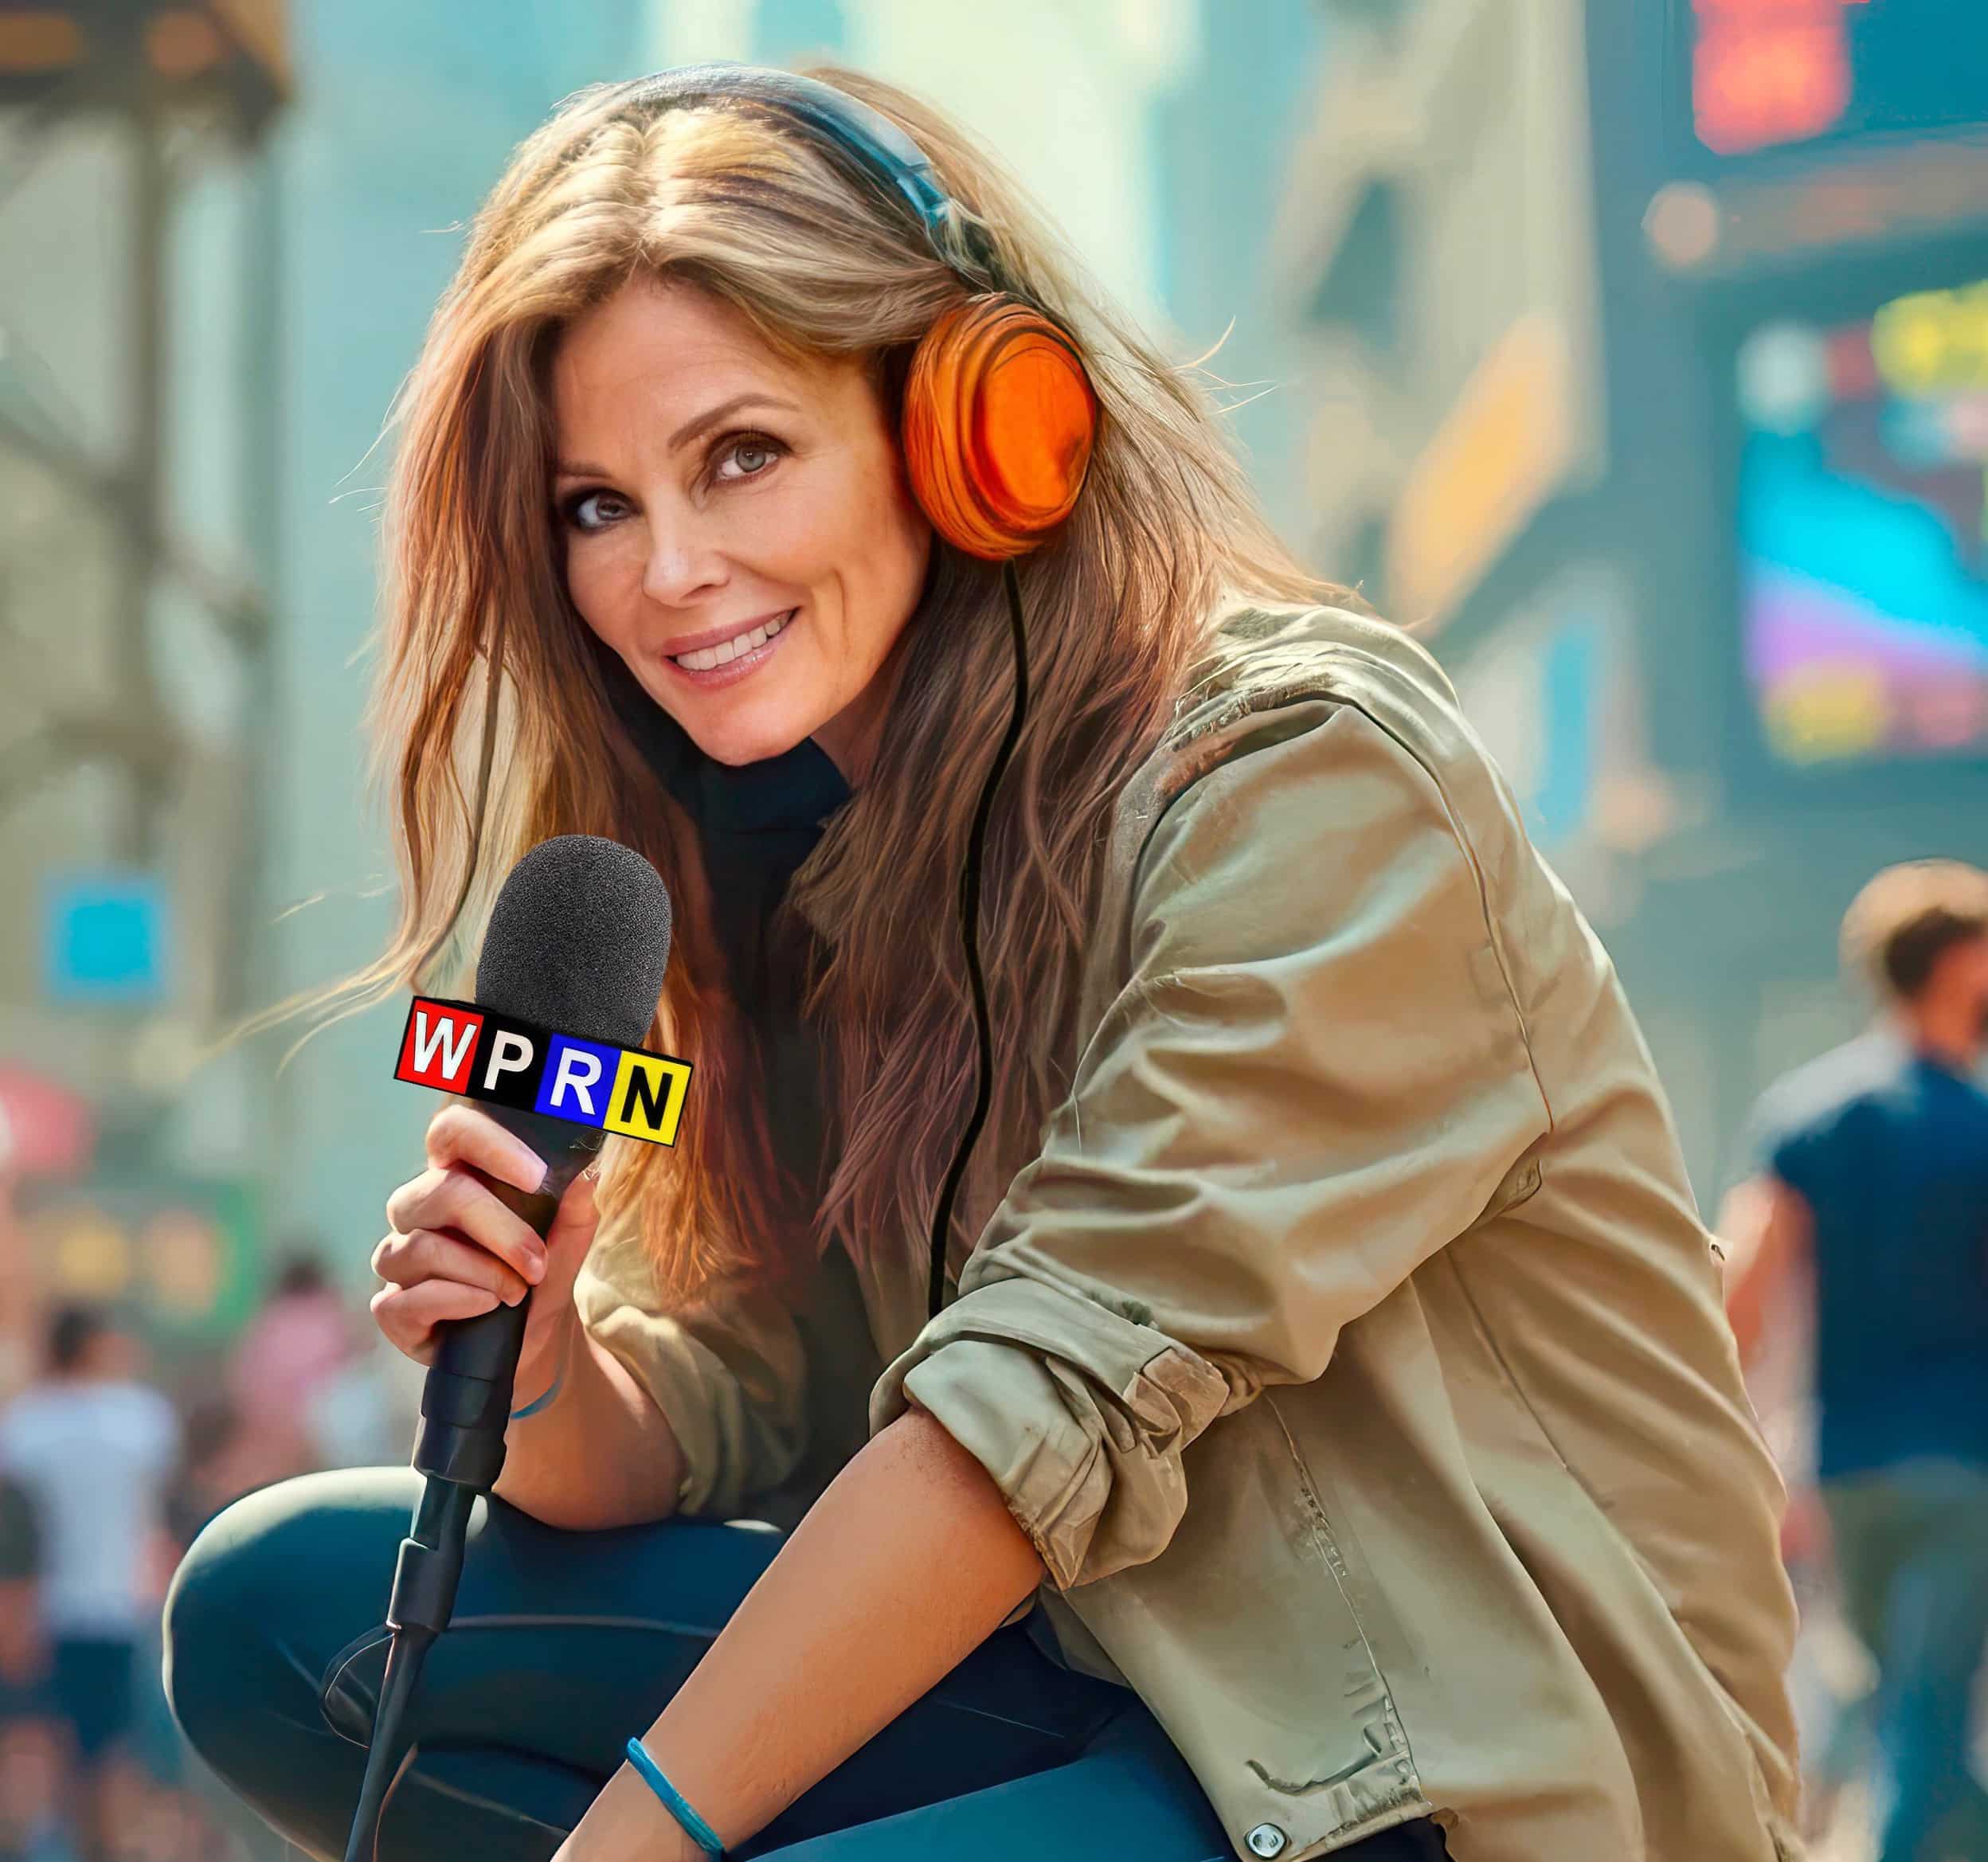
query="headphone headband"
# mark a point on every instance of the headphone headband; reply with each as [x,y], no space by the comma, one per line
[875,143]
[999,413]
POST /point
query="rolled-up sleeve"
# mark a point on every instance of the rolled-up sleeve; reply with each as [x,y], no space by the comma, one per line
[1315,1075]
[729,1371]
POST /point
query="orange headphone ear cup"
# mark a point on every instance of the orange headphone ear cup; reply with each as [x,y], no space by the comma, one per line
[1000,418]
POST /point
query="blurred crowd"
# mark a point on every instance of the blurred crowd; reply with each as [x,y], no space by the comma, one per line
[105,1479]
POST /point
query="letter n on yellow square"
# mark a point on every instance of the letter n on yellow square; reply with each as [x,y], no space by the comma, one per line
[647,1100]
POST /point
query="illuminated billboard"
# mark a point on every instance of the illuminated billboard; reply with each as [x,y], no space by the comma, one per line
[1759,75]
[1862,525]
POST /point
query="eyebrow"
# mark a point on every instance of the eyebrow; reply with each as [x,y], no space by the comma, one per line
[691,429]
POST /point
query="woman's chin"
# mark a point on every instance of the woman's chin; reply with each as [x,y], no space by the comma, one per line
[750,740]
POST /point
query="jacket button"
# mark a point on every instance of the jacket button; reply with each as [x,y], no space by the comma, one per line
[1266,1839]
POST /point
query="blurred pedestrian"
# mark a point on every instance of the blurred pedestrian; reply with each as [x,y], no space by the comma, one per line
[1872,1184]
[219,1462]
[303,1337]
[28,1750]
[212,1470]
[94,1450]
[366,1415]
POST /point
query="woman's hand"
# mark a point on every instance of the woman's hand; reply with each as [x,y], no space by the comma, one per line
[455,1251]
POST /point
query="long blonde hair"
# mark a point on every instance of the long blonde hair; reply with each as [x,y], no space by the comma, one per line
[736,200]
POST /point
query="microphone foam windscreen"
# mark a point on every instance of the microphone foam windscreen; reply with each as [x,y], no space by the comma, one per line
[579,941]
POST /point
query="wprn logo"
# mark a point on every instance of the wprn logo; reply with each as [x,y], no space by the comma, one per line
[460,1048]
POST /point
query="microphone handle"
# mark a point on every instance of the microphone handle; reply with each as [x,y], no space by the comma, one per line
[465,1400]
[459,1452]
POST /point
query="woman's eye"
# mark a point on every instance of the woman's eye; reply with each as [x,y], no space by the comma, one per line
[746,458]
[594,510]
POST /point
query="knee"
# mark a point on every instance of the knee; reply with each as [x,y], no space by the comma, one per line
[218,1625]
[270,1589]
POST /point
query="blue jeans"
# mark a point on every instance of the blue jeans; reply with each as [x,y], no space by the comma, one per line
[564,1644]
[1911,1553]
[93,1686]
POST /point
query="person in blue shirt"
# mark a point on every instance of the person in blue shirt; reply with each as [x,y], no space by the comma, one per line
[1872,1182]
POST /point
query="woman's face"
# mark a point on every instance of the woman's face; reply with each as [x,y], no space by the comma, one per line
[737,527]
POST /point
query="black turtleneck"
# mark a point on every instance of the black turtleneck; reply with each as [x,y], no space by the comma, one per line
[756,823]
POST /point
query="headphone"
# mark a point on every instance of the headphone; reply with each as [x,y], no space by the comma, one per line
[999,412]
[999,419]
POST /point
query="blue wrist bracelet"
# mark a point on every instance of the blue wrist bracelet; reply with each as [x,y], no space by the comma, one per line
[538,1402]
[699,1831]
[546,1396]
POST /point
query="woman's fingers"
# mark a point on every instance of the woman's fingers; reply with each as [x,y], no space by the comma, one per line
[408,1315]
[449,1197]
[573,1227]
[455,1251]
[462,1134]
[426,1255]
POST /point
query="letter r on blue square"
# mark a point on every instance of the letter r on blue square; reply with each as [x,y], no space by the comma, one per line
[578,1078]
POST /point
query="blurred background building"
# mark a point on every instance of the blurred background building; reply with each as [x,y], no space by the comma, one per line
[138,464]
[1645,374]
[1629,351]
[1635,351]
[224,225]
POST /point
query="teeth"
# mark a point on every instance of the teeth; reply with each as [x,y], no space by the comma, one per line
[705,658]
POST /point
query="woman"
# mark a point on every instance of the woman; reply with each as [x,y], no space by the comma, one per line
[1334,1351]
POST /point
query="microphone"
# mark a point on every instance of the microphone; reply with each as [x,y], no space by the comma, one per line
[578,941]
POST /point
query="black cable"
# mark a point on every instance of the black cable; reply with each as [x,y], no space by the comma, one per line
[405,1655]
[422,1601]
[970,925]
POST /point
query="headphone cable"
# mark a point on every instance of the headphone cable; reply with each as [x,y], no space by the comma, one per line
[969,925]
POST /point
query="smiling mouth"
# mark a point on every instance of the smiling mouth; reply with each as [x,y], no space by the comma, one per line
[707,659]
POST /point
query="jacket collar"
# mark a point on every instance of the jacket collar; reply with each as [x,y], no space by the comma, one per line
[1260,657]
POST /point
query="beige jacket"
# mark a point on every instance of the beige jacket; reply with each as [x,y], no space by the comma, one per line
[1352,1349]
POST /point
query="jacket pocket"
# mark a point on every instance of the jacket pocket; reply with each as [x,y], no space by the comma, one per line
[1242,1638]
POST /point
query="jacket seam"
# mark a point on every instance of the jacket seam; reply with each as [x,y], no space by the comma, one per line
[1468,848]
[1511,1378]
[1327,1547]
[1727,1705]
[1277,698]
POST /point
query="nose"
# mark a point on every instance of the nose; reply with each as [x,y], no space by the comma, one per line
[683,564]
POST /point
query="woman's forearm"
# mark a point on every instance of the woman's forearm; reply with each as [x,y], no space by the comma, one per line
[906,1563]
[599,1454]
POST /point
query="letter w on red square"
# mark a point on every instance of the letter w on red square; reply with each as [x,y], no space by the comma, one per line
[439,1048]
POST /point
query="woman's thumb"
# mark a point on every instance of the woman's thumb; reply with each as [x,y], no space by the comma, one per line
[573,1226]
